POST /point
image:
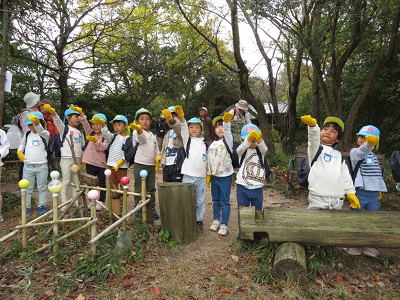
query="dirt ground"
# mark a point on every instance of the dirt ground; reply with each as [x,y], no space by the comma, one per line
[207,268]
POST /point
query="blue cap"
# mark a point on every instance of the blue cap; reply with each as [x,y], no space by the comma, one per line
[142,111]
[369,130]
[246,129]
[171,108]
[36,114]
[99,115]
[69,112]
[120,118]
[195,121]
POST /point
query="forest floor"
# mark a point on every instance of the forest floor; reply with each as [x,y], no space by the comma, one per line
[210,267]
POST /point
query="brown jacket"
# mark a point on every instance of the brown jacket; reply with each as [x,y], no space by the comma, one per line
[178,142]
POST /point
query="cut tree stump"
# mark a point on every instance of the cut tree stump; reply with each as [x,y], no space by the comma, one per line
[178,211]
[340,228]
[290,262]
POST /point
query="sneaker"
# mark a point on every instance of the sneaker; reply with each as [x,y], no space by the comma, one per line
[352,251]
[215,225]
[371,252]
[200,225]
[41,210]
[28,212]
[98,207]
[1,218]
[223,230]
[76,204]
[138,214]
[155,214]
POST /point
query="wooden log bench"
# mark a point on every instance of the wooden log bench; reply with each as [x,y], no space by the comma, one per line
[301,153]
[295,228]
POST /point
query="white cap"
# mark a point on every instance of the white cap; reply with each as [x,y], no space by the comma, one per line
[31,99]
[203,108]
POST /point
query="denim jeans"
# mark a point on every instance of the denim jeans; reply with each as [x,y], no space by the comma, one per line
[38,172]
[200,191]
[220,192]
[368,200]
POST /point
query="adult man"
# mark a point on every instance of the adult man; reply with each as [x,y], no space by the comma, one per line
[240,112]
[161,129]
[208,128]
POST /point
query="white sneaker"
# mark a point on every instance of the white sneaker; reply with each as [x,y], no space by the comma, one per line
[98,207]
[215,225]
[223,230]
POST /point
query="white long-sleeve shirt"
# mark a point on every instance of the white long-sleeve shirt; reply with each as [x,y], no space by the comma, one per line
[329,176]
[4,146]
[147,151]
[196,164]
[33,146]
[77,139]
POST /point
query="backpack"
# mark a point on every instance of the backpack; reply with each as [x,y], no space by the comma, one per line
[129,150]
[233,154]
[56,143]
[264,163]
[395,165]
[304,169]
[353,173]
[181,154]
[46,146]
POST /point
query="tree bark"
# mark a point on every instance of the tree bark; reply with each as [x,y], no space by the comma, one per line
[290,262]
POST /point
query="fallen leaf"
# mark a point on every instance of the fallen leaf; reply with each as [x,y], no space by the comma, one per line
[235,258]
[126,276]
[240,289]
[191,296]
[70,295]
[381,284]
[225,291]
[377,277]
[127,282]
[370,285]
[19,266]
[80,297]
[155,290]
[49,293]
[222,271]
[320,282]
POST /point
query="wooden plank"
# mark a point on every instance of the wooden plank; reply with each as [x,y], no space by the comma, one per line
[343,228]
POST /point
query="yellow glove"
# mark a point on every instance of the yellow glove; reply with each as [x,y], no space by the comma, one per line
[252,135]
[97,119]
[179,111]
[380,196]
[372,140]
[33,119]
[21,156]
[167,114]
[76,108]
[354,203]
[135,126]
[227,117]
[120,162]
[83,166]
[158,161]
[308,120]
[259,137]
[92,138]
[48,108]
[208,181]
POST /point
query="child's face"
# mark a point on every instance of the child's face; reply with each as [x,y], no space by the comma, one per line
[119,127]
[194,130]
[32,128]
[144,120]
[329,135]
[96,127]
[219,131]
[253,145]
[361,140]
[73,120]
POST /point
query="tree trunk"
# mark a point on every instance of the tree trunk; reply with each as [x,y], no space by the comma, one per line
[4,54]
[315,96]
[290,262]
[178,211]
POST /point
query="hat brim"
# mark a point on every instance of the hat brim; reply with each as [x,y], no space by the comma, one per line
[216,119]
[334,120]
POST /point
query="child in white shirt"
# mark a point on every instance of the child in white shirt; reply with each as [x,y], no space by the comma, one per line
[4,150]
[33,153]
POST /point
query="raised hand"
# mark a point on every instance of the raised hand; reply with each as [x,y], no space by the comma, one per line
[76,108]
[227,117]
[97,119]
[372,140]
[179,111]
[135,126]
[48,108]
[252,136]
[167,114]
[308,120]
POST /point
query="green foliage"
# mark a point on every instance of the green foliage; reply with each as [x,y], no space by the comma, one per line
[11,202]
[164,236]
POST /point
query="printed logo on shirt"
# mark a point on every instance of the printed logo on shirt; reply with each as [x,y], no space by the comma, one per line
[171,152]
[327,157]
[77,139]
[35,143]
[369,159]
[204,158]
[252,171]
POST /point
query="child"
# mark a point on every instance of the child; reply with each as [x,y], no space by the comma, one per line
[116,157]
[146,156]
[251,176]
[72,116]
[194,168]
[368,181]
[329,179]
[172,142]
[34,144]
[94,155]
[219,172]
[4,149]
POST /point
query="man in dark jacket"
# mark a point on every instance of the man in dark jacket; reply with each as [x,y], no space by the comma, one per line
[208,128]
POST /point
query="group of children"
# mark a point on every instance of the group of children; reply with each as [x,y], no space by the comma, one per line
[329,178]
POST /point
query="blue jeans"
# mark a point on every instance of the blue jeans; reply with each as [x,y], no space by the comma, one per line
[248,197]
[39,173]
[368,200]
[220,192]
[200,191]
